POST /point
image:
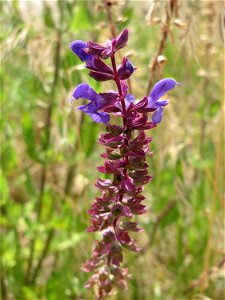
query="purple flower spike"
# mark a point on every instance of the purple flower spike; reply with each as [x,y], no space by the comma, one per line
[125,158]
[78,48]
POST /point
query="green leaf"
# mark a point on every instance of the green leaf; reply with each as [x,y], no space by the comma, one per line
[171,217]
[31,189]
[29,135]
[47,16]
[82,18]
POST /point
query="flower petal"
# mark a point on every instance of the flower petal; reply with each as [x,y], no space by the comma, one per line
[88,108]
[162,103]
[122,39]
[100,117]
[124,87]
[84,90]
[157,115]
[160,88]
[78,48]
[91,110]
[99,76]
[129,99]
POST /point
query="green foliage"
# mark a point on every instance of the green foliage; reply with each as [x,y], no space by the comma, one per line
[49,153]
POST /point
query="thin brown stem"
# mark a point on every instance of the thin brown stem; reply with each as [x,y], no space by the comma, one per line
[108,5]
[162,44]
[158,221]
[213,176]
[205,276]
[160,218]
[4,293]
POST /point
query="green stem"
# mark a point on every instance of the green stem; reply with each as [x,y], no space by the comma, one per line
[44,253]
[46,144]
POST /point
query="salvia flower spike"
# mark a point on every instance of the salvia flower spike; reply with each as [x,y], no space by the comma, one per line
[126,149]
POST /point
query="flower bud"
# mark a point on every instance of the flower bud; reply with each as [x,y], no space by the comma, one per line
[99,76]
[106,286]
[121,40]
[126,69]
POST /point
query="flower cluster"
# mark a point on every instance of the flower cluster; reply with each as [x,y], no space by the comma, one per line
[126,148]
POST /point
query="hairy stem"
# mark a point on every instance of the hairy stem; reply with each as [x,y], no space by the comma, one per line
[122,103]
[108,6]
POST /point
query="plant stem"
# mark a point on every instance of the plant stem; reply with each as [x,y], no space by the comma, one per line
[165,33]
[118,84]
[216,196]
[159,219]
[44,253]
[113,32]
[126,140]
[48,125]
[205,276]
[109,15]
[4,293]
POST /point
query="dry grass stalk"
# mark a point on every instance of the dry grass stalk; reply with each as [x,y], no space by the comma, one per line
[155,65]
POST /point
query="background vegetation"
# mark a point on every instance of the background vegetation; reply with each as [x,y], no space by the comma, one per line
[49,151]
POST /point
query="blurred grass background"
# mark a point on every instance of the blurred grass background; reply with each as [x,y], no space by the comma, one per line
[49,151]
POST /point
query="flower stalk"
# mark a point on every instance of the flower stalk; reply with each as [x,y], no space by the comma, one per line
[125,158]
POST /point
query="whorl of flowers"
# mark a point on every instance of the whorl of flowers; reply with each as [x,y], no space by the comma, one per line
[126,149]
